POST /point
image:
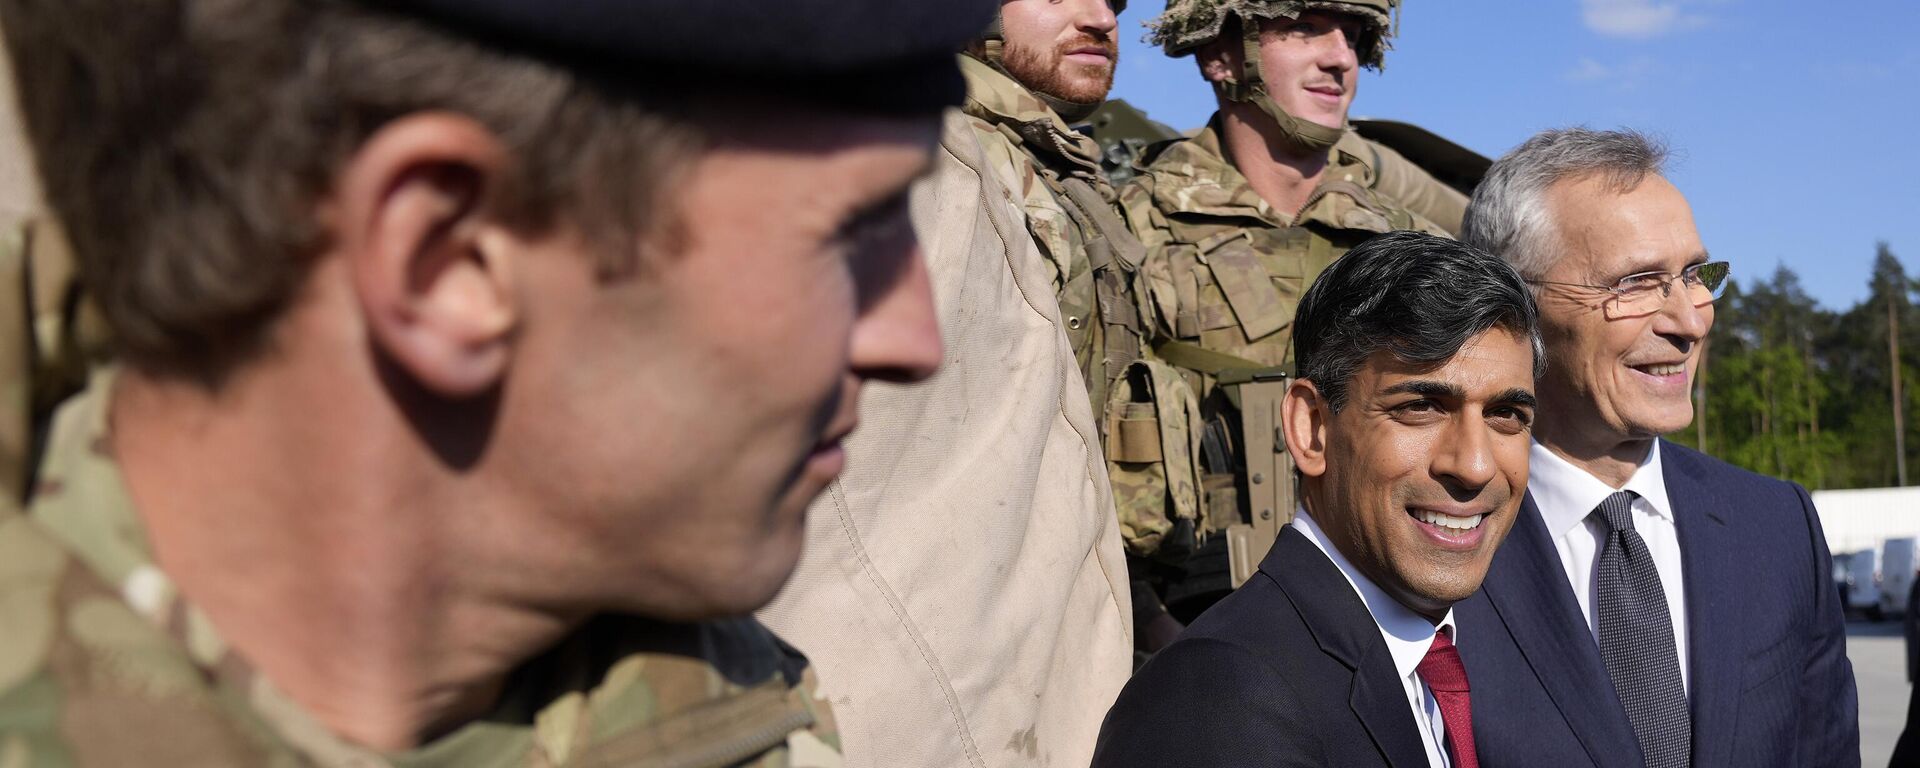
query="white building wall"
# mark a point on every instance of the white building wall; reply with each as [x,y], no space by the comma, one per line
[1863,518]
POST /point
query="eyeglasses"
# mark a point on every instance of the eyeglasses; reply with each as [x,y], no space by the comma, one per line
[1644,293]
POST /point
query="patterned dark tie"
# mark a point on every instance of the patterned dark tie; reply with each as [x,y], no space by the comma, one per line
[1446,677]
[1636,640]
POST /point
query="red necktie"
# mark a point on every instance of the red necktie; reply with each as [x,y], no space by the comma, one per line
[1446,677]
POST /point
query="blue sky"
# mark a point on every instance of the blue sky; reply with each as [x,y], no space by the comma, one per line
[1797,132]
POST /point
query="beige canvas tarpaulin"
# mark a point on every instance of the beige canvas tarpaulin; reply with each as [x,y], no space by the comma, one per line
[963,592]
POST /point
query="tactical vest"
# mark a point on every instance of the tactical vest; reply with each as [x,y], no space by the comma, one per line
[1144,407]
[1223,276]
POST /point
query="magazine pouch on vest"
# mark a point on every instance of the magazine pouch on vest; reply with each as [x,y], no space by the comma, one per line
[1246,460]
[1153,460]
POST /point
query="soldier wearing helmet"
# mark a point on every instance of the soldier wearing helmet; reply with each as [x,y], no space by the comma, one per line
[1238,220]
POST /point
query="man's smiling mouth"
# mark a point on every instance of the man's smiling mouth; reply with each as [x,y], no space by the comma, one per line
[1448,523]
[1661,369]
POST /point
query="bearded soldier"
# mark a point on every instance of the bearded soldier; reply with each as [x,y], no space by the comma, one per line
[1237,221]
[964,592]
[1048,65]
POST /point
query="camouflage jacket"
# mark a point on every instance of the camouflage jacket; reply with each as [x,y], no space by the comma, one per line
[1055,173]
[1225,270]
[1223,275]
[102,664]
[1143,408]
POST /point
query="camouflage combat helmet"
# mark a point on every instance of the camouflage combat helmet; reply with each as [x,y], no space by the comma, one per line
[991,48]
[1189,24]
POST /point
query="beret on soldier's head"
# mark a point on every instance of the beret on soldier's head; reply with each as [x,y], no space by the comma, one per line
[892,56]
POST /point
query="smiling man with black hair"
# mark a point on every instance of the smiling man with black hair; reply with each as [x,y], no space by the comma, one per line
[1409,426]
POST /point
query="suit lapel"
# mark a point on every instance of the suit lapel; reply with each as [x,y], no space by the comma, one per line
[1714,642]
[1528,588]
[1346,631]
[1380,701]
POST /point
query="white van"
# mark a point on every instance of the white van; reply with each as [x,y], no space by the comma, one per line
[1861,583]
[1896,575]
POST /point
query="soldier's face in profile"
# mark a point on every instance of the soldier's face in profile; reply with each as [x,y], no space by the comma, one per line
[1614,376]
[1419,477]
[1062,48]
[1310,66]
[701,402]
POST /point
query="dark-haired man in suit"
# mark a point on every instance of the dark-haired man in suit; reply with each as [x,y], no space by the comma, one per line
[1655,607]
[1408,423]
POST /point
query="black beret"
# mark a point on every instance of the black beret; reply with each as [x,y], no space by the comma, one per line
[879,55]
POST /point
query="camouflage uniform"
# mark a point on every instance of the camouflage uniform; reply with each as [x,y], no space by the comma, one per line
[1223,274]
[102,664]
[1146,410]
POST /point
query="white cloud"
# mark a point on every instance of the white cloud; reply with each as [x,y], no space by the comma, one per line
[1588,71]
[1620,77]
[1636,18]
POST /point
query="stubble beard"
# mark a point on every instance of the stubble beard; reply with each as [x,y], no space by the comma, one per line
[1050,73]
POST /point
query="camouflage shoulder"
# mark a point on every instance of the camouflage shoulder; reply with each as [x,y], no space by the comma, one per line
[1010,166]
[815,746]
[1164,168]
[1164,162]
[1342,203]
[87,681]
[726,692]
[1137,204]
[1151,153]
[1421,223]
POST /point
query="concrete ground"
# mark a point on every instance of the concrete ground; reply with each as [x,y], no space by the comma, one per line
[1879,671]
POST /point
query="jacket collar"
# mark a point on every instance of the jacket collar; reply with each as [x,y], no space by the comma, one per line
[998,99]
[1344,630]
[1408,635]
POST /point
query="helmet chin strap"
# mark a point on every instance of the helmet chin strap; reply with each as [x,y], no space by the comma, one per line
[1305,135]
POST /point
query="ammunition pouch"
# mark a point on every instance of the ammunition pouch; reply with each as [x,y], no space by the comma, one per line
[1153,460]
[1251,490]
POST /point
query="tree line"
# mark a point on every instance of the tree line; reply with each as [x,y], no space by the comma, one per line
[1797,391]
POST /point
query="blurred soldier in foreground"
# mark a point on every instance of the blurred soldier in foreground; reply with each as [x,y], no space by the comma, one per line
[963,591]
[1409,424]
[471,385]
[1238,221]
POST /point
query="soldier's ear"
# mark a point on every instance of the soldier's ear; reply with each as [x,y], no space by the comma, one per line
[1218,59]
[1303,416]
[413,215]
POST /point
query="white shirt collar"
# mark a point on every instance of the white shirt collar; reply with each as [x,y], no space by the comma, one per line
[1567,494]
[1409,635]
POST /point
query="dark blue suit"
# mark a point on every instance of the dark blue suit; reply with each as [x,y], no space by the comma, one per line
[1770,682]
[1289,670]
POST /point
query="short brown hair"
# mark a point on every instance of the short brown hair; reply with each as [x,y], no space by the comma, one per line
[186,145]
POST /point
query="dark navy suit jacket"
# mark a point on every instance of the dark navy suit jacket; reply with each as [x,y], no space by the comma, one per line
[1289,670]
[1770,684]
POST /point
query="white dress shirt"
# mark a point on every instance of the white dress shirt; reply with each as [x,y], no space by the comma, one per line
[1409,635]
[1567,496]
